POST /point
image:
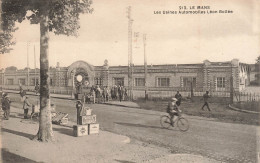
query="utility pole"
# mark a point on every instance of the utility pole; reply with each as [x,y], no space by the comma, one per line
[34,66]
[130,57]
[231,84]
[145,69]
[28,71]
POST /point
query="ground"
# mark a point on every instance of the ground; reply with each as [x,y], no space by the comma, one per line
[207,137]
[17,146]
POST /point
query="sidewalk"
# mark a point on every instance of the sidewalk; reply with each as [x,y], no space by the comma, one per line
[61,96]
[129,104]
[17,146]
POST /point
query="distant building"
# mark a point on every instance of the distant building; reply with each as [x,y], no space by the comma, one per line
[162,80]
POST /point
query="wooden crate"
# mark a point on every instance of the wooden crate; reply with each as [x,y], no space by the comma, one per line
[85,111]
[59,116]
[80,130]
[87,119]
[93,128]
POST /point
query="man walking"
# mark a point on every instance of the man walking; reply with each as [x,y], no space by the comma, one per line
[205,98]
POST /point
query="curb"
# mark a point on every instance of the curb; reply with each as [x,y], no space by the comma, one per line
[37,95]
[122,105]
[241,110]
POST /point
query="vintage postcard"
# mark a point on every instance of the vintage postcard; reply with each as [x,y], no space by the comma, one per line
[130,81]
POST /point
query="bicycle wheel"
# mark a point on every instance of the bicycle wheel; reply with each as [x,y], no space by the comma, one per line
[35,116]
[183,124]
[165,121]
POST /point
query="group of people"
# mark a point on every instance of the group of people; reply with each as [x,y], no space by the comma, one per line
[115,93]
[118,92]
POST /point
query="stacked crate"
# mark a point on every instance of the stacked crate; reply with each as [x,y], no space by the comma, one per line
[87,124]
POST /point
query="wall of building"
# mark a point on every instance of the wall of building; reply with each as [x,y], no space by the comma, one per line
[205,75]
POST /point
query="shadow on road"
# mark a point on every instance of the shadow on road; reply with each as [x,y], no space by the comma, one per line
[65,131]
[11,157]
[16,116]
[131,111]
[123,161]
[29,136]
[137,125]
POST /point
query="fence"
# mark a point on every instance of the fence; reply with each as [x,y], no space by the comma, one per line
[246,96]
[166,92]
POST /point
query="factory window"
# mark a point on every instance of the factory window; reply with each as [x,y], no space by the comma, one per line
[139,82]
[163,82]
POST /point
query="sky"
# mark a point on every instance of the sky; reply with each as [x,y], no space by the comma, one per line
[171,38]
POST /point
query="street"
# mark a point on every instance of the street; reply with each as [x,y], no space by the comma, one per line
[226,142]
[221,141]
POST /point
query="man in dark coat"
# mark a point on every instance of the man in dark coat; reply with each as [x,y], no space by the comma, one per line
[6,105]
[37,89]
[178,97]
[79,107]
[120,92]
[205,98]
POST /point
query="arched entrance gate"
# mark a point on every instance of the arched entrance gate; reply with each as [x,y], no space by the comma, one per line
[81,74]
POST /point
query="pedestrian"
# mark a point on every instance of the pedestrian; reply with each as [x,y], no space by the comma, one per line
[98,93]
[79,106]
[205,98]
[120,93]
[123,92]
[179,98]
[22,93]
[126,97]
[37,89]
[26,106]
[107,93]
[115,92]
[112,93]
[6,105]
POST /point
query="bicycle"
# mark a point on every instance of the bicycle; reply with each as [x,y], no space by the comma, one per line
[182,123]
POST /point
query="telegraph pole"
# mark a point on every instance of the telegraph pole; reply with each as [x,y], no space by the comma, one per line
[28,44]
[130,57]
[34,66]
[145,69]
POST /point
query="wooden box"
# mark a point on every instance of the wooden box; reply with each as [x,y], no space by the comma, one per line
[87,119]
[93,128]
[80,130]
[85,111]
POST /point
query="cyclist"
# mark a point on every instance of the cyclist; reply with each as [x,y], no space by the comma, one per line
[173,110]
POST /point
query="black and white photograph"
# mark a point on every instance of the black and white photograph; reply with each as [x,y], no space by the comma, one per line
[128,81]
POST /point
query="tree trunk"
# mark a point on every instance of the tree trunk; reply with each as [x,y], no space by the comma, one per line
[45,132]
